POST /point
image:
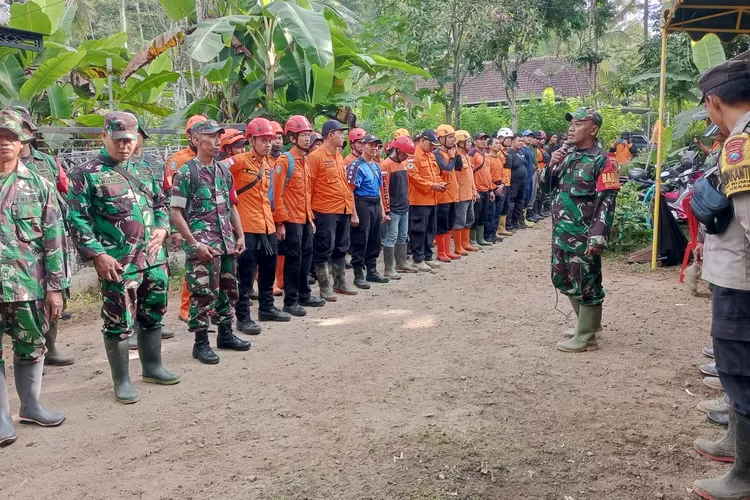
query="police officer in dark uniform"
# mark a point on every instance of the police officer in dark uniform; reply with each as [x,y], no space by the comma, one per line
[726,266]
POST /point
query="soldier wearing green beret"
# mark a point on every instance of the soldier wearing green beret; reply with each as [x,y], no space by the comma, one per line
[32,275]
[584,183]
[118,218]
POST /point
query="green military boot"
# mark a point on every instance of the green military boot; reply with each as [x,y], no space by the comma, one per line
[589,323]
[570,332]
[7,430]
[29,388]
[149,350]
[119,361]
[54,356]
[473,237]
[735,484]
[724,449]
[480,237]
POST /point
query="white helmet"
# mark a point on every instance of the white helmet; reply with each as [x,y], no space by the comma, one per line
[505,132]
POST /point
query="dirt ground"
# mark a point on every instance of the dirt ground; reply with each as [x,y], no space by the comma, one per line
[438,386]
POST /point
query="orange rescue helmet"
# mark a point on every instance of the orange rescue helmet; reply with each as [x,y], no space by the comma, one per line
[260,127]
[193,120]
[462,135]
[231,136]
[356,134]
[404,144]
[277,129]
[444,130]
[296,124]
[401,132]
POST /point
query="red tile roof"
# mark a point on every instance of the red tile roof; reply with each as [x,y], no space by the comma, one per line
[534,76]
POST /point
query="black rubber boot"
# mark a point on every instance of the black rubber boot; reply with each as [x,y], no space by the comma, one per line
[119,361]
[166,333]
[295,310]
[735,484]
[359,279]
[248,327]
[149,350]
[226,339]
[202,349]
[312,301]
[29,388]
[274,315]
[133,341]
[339,278]
[7,429]
[54,357]
[722,450]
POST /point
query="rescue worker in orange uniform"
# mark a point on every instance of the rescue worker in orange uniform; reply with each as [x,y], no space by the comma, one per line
[496,161]
[445,155]
[174,163]
[424,185]
[333,208]
[233,142]
[467,195]
[292,204]
[623,149]
[483,183]
[396,201]
[356,143]
[506,135]
[252,177]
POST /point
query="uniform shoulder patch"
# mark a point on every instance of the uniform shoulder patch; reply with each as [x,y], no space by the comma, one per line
[278,168]
[609,179]
[736,149]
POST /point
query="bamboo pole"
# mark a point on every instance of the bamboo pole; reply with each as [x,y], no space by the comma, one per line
[659,145]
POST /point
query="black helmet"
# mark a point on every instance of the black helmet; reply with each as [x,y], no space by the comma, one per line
[637,174]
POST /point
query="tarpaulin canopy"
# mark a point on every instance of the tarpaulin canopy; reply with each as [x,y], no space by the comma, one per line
[725,18]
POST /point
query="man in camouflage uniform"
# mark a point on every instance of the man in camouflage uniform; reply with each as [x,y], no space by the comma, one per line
[118,219]
[32,275]
[204,211]
[47,167]
[155,163]
[584,184]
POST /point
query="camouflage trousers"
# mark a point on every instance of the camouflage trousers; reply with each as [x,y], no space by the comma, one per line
[26,323]
[213,287]
[141,298]
[578,276]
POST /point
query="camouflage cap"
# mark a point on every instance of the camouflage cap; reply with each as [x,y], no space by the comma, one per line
[141,127]
[121,125]
[584,113]
[12,121]
[25,115]
[206,127]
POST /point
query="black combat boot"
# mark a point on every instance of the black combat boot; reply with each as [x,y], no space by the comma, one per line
[374,276]
[296,309]
[202,349]
[227,340]
[248,326]
[311,301]
[274,315]
[359,278]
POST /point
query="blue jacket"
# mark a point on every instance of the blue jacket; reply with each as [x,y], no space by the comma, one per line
[365,177]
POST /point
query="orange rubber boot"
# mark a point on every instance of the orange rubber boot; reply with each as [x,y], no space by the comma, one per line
[457,245]
[447,243]
[184,303]
[440,241]
[466,240]
[278,286]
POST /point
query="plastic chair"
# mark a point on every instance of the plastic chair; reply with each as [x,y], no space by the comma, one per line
[693,227]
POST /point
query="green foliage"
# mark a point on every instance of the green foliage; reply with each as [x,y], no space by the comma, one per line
[629,231]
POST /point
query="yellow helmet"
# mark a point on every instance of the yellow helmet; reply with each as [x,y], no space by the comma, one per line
[444,130]
[462,135]
[401,132]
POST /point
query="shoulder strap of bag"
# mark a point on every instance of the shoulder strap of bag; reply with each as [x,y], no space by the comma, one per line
[133,180]
[254,182]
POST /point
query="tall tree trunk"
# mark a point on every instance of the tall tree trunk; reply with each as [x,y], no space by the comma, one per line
[140,22]
[645,21]
[510,95]
[123,20]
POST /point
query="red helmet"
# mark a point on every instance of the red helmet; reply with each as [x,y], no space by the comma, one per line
[356,134]
[259,127]
[404,144]
[296,124]
[276,126]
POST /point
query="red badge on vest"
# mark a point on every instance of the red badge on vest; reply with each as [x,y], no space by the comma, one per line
[734,150]
[609,179]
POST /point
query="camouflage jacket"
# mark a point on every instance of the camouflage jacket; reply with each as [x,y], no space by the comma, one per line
[107,214]
[208,215]
[47,167]
[584,194]
[31,237]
